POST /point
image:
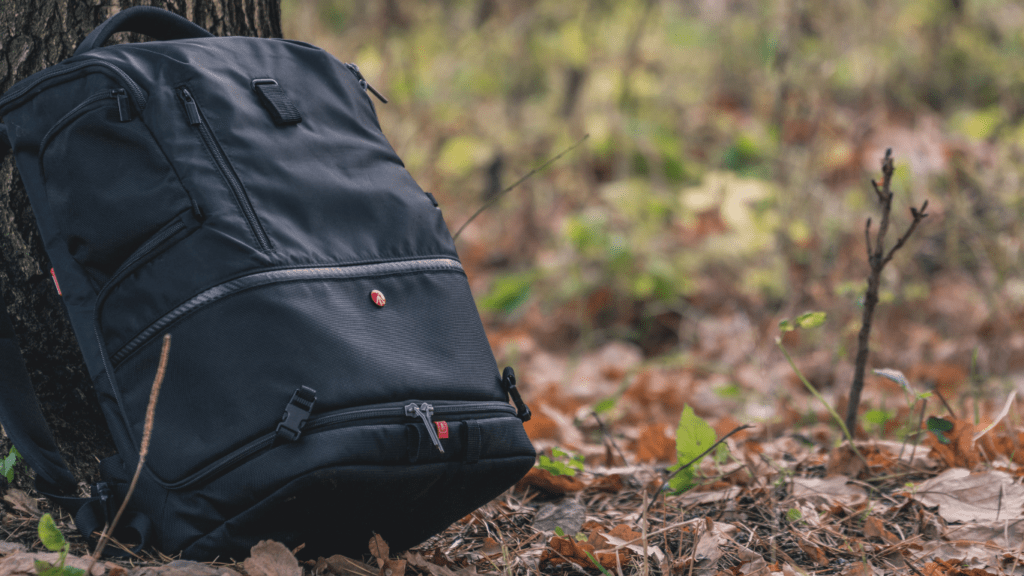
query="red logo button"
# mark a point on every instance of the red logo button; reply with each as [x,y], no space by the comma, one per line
[442,429]
[378,298]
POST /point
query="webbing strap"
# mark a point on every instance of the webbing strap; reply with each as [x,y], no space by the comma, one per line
[5,144]
[274,99]
[23,421]
[22,418]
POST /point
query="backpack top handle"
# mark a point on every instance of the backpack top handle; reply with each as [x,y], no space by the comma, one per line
[153,22]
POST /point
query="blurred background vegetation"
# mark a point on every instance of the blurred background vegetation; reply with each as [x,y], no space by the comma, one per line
[728,165]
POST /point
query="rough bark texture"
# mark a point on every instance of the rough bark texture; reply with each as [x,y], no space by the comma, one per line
[35,34]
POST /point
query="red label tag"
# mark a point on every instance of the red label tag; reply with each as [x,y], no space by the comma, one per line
[442,429]
[378,297]
[54,275]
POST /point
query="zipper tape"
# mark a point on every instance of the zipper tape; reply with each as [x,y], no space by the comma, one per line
[289,275]
[13,96]
[197,121]
[343,419]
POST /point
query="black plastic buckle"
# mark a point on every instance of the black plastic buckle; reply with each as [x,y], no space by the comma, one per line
[508,380]
[295,414]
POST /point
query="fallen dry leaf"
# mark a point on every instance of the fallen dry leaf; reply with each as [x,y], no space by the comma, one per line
[549,483]
[875,528]
[23,563]
[271,558]
[379,549]
[392,567]
[981,498]
[960,452]
[829,491]
[561,550]
[842,461]
[815,553]
[176,568]
[490,547]
[612,484]
[654,445]
[416,560]
[22,502]
[339,565]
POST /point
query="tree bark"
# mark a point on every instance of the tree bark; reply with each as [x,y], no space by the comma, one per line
[36,34]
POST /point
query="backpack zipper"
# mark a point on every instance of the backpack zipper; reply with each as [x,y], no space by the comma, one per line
[57,71]
[363,83]
[342,419]
[272,277]
[195,119]
[141,252]
[77,111]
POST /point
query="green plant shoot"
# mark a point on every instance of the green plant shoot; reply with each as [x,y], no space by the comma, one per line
[693,437]
[562,463]
[939,425]
[54,541]
[8,463]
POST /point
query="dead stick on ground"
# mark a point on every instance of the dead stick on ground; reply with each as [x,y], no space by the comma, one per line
[517,183]
[147,433]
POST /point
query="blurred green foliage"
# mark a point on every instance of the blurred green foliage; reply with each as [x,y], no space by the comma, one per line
[728,140]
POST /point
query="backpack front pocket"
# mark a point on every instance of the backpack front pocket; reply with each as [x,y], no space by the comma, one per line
[108,183]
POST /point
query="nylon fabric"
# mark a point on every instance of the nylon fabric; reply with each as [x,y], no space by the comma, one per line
[239,194]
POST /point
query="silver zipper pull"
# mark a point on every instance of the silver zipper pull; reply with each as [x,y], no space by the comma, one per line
[424,412]
[124,109]
[364,84]
[190,108]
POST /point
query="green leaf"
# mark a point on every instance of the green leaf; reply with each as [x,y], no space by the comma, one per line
[44,568]
[877,416]
[810,319]
[682,481]
[598,564]
[794,514]
[559,532]
[939,425]
[70,571]
[693,436]
[581,537]
[7,464]
[509,292]
[606,405]
[555,467]
[786,326]
[49,534]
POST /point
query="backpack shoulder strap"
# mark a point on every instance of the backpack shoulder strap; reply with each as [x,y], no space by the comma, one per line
[22,417]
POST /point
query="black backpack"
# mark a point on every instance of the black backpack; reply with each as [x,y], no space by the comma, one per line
[329,376]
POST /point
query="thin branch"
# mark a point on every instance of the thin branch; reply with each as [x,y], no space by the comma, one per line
[499,195]
[918,216]
[877,259]
[147,433]
[867,237]
[705,453]
[608,437]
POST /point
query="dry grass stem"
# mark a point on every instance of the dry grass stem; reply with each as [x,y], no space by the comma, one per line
[147,433]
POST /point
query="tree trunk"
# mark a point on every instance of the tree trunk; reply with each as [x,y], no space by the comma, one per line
[36,34]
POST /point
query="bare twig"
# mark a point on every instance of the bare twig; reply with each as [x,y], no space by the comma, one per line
[147,433]
[499,195]
[877,259]
[609,438]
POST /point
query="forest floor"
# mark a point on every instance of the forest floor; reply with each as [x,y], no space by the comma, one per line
[649,271]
